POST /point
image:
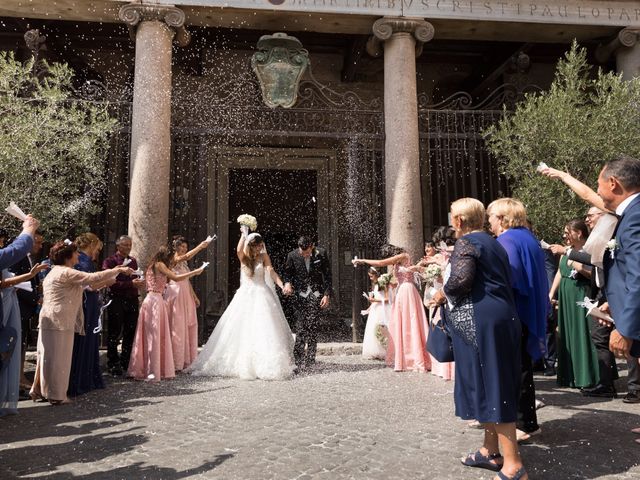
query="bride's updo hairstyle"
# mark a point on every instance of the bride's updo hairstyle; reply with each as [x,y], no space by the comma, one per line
[249,260]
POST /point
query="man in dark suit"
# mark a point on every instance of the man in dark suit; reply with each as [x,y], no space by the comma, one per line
[307,275]
[619,188]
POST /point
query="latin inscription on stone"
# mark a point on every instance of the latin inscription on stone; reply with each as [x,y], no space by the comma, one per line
[563,12]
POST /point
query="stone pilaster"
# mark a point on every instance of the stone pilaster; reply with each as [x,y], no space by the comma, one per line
[402,40]
[626,48]
[154,28]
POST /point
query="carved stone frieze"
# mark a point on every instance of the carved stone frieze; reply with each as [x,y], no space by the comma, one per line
[134,13]
[385,27]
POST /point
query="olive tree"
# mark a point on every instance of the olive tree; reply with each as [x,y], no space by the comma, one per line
[586,118]
[52,147]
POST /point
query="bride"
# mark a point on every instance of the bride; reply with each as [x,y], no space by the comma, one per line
[252,339]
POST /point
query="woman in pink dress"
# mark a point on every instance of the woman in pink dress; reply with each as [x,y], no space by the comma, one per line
[152,355]
[183,303]
[408,327]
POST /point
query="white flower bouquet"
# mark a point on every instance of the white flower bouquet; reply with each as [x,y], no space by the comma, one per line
[384,280]
[381,335]
[612,246]
[432,273]
[248,221]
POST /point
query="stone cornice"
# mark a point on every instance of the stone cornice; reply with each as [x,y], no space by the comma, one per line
[384,28]
[134,13]
[627,37]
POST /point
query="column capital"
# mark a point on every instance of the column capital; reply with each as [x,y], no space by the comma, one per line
[384,28]
[134,13]
[627,37]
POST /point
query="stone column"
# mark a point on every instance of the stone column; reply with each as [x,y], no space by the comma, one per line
[402,39]
[628,54]
[154,28]
[626,48]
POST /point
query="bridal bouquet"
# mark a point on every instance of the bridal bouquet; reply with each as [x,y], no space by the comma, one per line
[248,221]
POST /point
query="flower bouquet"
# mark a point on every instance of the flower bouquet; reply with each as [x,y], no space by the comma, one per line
[432,273]
[248,221]
[381,335]
[384,280]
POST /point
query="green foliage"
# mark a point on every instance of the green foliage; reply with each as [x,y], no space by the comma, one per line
[52,147]
[583,120]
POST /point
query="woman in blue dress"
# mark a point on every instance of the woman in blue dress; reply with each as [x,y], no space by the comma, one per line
[485,332]
[85,364]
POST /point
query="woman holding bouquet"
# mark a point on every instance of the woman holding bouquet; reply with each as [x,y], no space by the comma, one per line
[408,327]
[151,355]
[379,313]
[252,339]
[183,303]
[438,263]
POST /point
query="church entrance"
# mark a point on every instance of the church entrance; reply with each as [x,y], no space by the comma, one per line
[285,204]
[286,189]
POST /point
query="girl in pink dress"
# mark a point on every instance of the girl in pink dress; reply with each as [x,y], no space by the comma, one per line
[444,238]
[408,327]
[183,303]
[152,355]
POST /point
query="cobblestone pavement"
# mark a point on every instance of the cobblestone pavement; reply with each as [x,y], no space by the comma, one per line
[348,419]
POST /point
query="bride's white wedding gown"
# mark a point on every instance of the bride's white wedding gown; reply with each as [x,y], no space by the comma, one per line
[252,339]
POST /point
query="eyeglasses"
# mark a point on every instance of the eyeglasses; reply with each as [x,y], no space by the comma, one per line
[591,215]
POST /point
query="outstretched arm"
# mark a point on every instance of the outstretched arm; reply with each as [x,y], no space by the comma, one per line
[171,275]
[384,262]
[580,189]
[25,277]
[191,253]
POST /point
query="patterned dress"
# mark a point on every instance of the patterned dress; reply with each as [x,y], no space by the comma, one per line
[485,331]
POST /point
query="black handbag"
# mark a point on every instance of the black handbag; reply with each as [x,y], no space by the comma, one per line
[8,340]
[439,343]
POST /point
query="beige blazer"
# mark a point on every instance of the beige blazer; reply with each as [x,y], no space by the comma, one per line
[62,300]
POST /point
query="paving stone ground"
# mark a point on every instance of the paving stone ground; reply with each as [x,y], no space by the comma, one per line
[348,419]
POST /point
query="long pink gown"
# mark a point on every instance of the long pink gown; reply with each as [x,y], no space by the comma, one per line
[183,320]
[408,327]
[152,356]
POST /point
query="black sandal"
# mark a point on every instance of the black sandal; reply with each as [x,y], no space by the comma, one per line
[518,475]
[478,460]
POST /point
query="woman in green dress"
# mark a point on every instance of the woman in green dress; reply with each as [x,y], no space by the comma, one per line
[577,359]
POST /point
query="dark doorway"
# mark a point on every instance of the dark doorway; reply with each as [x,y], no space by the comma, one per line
[285,204]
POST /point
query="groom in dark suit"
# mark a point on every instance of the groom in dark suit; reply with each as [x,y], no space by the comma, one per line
[619,188]
[307,276]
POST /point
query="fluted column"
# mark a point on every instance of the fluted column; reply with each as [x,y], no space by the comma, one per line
[402,39]
[154,28]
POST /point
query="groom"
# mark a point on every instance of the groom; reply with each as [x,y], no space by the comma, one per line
[307,275]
